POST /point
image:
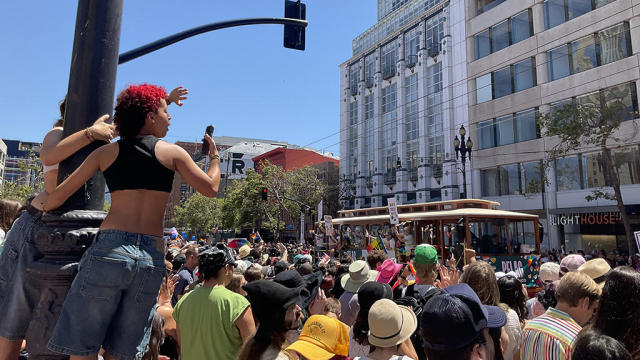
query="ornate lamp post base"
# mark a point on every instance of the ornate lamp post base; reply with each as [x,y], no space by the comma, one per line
[62,242]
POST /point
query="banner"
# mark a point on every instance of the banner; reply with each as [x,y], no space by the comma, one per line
[302,228]
[328,225]
[393,211]
[320,210]
[527,267]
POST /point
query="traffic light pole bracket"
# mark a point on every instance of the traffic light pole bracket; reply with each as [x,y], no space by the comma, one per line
[172,39]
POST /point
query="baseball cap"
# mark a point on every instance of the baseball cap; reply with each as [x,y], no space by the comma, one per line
[270,299]
[549,272]
[571,263]
[456,317]
[425,254]
[322,338]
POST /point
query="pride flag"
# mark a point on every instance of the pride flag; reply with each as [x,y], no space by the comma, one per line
[173,231]
[377,243]
[255,237]
[237,243]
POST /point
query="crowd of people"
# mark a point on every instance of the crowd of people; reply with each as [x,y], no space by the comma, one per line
[275,301]
[136,298]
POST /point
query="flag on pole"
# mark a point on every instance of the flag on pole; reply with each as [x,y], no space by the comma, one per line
[173,231]
[255,237]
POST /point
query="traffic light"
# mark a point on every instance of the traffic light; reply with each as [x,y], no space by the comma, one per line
[293,34]
[264,193]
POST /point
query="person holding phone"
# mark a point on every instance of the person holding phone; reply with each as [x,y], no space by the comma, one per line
[110,303]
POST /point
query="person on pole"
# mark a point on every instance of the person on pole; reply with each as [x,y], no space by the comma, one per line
[111,299]
[18,297]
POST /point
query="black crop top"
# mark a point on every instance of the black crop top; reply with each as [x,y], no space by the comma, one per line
[137,167]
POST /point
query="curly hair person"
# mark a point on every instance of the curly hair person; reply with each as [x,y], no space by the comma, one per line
[134,103]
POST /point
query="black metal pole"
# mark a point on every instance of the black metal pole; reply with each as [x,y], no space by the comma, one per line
[464,177]
[159,44]
[92,80]
[70,230]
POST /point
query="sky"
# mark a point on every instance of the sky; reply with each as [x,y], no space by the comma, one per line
[241,79]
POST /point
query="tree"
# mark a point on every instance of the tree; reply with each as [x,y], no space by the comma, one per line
[590,124]
[15,191]
[199,213]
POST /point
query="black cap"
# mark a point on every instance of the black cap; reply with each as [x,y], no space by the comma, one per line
[456,317]
[280,266]
[312,284]
[270,299]
[373,291]
[219,255]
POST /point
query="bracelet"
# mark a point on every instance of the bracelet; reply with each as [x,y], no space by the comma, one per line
[214,157]
[88,134]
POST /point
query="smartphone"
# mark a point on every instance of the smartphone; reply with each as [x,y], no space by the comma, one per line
[205,143]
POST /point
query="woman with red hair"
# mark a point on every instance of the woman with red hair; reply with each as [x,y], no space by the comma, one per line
[110,303]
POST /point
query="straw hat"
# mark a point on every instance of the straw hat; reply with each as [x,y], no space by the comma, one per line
[390,324]
[597,269]
[359,273]
[244,251]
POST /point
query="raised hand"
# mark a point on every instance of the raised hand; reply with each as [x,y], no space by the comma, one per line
[448,277]
[177,95]
[101,130]
[317,305]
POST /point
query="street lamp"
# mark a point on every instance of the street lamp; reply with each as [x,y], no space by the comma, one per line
[463,149]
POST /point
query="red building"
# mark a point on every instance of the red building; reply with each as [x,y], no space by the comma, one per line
[292,159]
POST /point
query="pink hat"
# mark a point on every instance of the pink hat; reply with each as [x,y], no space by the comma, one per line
[387,271]
[570,263]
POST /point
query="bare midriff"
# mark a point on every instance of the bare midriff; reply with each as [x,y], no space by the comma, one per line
[137,211]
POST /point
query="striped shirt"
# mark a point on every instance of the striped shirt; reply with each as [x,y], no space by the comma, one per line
[549,336]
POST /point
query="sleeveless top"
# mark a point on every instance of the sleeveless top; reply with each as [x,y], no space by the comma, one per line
[137,167]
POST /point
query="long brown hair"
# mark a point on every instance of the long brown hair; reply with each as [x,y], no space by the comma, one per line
[481,278]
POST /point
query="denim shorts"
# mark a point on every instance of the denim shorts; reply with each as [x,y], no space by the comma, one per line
[110,303]
[18,295]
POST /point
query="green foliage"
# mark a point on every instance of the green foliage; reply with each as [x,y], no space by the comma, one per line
[14,191]
[289,193]
[199,213]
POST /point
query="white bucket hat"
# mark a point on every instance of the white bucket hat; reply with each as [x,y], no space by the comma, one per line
[359,273]
[390,324]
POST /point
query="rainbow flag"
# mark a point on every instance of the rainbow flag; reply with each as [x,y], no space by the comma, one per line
[237,243]
[173,231]
[378,244]
[255,237]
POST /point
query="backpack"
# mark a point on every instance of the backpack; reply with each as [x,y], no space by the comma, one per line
[414,300]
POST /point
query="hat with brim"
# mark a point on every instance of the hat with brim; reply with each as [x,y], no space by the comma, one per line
[597,269]
[244,251]
[359,273]
[390,324]
[387,271]
[322,338]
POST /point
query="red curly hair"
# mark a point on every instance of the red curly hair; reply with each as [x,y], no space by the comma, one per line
[132,106]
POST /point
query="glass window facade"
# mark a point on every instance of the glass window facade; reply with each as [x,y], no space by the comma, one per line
[506,81]
[353,136]
[588,52]
[483,88]
[568,173]
[524,73]
[411,107]
[369,70]
[486,135]
[557,12]
[369,146]
[615,43]
[508,129]
[509,179]
[526,125]
[502,82]
[508,32]
[558,62]
[354,78]
[411,46]
[505,131]
[531,177]
[500,36]
[482,42]
[521,26]
[389,59]
[389,132]
[490,182]
[435,33]
[434,120]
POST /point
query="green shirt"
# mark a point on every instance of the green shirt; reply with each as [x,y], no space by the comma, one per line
[206,318]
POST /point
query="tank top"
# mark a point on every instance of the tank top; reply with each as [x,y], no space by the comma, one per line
[137,167]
